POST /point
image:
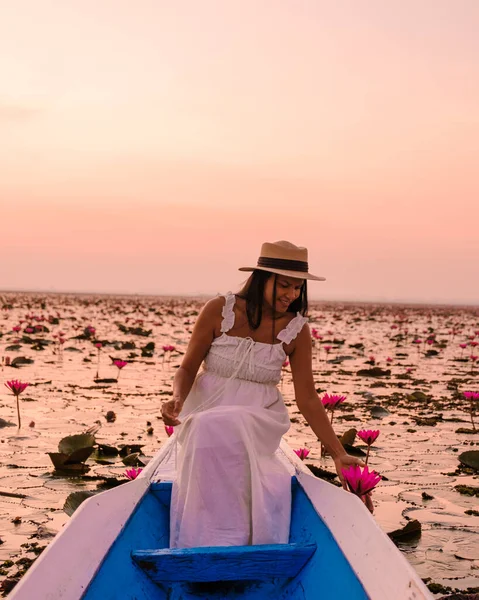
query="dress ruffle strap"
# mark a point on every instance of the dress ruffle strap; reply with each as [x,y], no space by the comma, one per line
[228,313]
[292,329]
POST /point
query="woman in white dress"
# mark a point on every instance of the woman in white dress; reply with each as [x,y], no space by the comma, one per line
[230,487]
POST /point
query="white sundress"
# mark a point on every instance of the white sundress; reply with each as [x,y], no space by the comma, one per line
[230,488]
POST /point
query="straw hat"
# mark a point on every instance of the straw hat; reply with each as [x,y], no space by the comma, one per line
[284,258]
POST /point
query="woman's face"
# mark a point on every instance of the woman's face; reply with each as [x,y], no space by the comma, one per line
[287,290]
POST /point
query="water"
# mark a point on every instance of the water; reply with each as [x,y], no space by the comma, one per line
[414,457]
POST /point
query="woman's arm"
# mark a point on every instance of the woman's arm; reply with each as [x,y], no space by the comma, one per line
[307,398]
[312,408]
[198,346]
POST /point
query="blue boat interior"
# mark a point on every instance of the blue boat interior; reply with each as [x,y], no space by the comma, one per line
[141,566]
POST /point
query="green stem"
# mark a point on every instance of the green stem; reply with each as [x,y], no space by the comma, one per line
[18,412]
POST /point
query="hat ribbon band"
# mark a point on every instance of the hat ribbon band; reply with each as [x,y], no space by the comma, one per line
[283,263]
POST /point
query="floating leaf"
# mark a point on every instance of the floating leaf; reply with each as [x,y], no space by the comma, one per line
[21,360]
[130,448]
[374,372]
[72,443]
[421,396]
[348,437]
[378,411]
[411,531]
[132,460]
[105,450]
[60,462]
[354,450]
[74,500]
[470,459]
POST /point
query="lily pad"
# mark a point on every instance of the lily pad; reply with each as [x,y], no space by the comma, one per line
[72,443]
[378,411]
[417,395]
[411,531]
[374,372]
[348,437]
[13,348]
[74,500]
[21,360]
[132,460]
[470,459]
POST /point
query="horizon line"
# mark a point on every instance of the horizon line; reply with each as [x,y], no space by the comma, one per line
[455,304]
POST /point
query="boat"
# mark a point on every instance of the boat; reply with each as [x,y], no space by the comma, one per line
[116,546]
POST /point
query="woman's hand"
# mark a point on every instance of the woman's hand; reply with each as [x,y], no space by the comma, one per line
[170,411]
[343,461]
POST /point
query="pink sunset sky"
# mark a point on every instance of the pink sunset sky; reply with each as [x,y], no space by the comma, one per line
[152,146]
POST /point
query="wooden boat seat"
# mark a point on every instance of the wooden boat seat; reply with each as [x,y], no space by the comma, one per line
[224,563]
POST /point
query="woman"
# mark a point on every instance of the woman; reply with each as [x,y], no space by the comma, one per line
[230,486]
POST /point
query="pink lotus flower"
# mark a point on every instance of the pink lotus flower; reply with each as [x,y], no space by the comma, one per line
[417,341]
[360,482]
[98,345]
[17,387]
[166,351]
[16,328]
[120,364]
[331,401]
[327,348]
[389,359]
[170,430]
[302,453]
[430,341]
[473,344]
[463,346]
[472,396]
[28,330]
[369,436]
[133,473]
[285,364]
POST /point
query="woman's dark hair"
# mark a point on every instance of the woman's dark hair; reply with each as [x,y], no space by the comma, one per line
[253,291]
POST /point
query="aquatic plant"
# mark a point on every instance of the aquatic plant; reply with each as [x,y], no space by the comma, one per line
[331,402]
[302,453]
[167,350]
[133,473]
[120,364]
[473,359]
[98,346]
[170,430]
[73,451]
[369,436]
[473,397]
[17,387]
[360,482]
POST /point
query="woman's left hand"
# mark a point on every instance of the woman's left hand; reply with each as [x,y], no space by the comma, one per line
[343,461]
